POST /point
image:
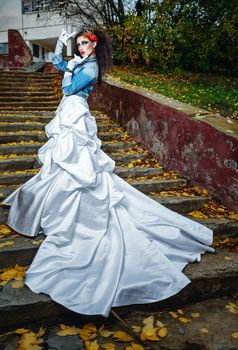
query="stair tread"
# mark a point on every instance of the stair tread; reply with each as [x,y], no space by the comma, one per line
[180,336]
[201,274]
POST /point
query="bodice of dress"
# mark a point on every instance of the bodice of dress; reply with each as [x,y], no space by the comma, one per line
[82,80]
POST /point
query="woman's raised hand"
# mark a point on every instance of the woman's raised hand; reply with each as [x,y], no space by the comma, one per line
[64,36]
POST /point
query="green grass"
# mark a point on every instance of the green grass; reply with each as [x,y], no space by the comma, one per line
[216,94]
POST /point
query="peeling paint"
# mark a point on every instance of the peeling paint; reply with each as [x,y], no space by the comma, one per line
[197,149]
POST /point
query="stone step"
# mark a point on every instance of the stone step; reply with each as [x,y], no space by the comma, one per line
[15,178]
[25,136]
[22,117]
[181,336]
[120,171]
[107,128]
[15,164]
[21,86]
[29,80]
[27,75]
[25,93]
[41,137]
[142,185]
[15,126]
[21,252]
[136,171]
[29,98]
[29,105]
[28,148]
[123,158]
[30,162]
[205,284]
[24,249]
[10,112]
[150,185]
[6,118]
[221,228]
[31,148]
[181,204]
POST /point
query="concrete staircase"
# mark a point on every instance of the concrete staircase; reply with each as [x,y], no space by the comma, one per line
[27,102]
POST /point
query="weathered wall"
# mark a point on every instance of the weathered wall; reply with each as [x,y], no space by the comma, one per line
[19,53]
[202,147]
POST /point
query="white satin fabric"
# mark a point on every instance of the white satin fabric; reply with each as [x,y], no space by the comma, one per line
[107,244]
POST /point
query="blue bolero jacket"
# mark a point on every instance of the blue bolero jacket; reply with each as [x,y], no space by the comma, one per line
[82,79]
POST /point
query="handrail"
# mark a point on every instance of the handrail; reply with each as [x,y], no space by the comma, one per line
[33,67]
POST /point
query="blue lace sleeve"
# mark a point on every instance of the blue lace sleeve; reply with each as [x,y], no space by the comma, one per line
[59,62]
[76,82]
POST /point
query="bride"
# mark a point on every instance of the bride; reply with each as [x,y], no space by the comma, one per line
[107,244]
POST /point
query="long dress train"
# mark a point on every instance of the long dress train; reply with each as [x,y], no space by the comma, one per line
[107,244]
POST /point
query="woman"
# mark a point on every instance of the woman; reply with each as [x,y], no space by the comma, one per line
[106,243]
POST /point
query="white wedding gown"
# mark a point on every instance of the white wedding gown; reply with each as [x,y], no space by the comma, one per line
[107,244]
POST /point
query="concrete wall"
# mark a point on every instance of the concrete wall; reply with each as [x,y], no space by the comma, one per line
[202,147]
[10,18]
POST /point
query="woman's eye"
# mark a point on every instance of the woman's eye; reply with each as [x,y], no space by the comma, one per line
[84,42]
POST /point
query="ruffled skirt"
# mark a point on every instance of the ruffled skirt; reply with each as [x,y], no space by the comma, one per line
[107,244]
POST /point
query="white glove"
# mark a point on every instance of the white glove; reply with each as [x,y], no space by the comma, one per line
[62,40]
[72,64]
[64,36]
[75,61]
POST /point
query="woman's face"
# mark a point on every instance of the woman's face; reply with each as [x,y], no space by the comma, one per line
[85,46]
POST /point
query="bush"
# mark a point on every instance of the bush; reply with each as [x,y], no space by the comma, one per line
[195,35]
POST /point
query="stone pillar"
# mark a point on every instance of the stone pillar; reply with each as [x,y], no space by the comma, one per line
[69,42]
[19,53]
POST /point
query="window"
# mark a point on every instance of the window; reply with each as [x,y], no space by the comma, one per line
[36,51]
[41,5]
[3,48]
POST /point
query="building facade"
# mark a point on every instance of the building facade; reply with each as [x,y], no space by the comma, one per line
[39,23]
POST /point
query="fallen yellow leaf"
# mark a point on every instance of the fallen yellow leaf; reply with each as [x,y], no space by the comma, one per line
[184,319]
[232,307]
[233,216]
[195,314]
[5,229]
[21,330]
[180,311]
[163,332]
[2,283]
[37,242]
[108,346]
[91,345]
[67,330]
[204,330]
[31,341]
[122,336]
[235,335]
[173,314]
[160,324]
[105,333]
[149,320]
[90,326]
[5,244]
[136,329]
[17,284]
[150,334]
[9,274]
